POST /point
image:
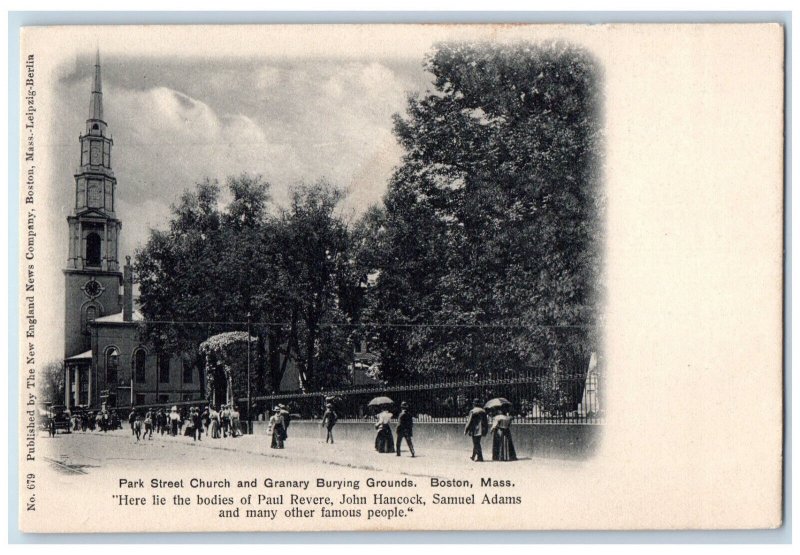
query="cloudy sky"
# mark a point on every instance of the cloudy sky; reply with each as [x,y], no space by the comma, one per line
[175,122]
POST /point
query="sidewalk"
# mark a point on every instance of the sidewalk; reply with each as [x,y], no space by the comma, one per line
[93,448]
[429,460]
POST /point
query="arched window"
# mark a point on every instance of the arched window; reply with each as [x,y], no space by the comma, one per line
[139,358]
[93,249]
[91,314]
[89,311]
[112,367]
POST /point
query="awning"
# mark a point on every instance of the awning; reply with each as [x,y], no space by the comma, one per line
[83,357]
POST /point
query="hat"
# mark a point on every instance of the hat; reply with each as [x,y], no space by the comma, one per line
[476,402]
[276,408]
[328,405]
[403,405]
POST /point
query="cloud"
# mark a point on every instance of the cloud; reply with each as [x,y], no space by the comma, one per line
[162,115]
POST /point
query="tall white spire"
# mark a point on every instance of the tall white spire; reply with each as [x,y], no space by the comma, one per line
[96,106]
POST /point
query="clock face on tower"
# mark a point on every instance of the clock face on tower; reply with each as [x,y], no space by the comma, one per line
[92,289]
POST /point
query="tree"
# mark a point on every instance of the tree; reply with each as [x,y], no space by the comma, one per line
[173,269]
[491,241]
[51,382]
[287,273]
[182,271]
[314,260]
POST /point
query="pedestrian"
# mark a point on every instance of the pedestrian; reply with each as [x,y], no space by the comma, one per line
[206,420]
[137,425]
[225,420]
[148,423]
[181,420]
[502,445]
[477,427]
[161,421]
[329,421]
[213,416]
[51,427]
[405,428]
[197,423]
[174,417]
[277,429]
[132,419]
[236,429]
[84,421]
[384,441]
[187,422]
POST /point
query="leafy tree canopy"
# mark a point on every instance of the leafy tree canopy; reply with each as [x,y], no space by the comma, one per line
[489,245]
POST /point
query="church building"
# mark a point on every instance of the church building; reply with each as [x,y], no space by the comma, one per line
[105,361]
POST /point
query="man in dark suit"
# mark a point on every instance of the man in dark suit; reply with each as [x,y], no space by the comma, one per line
[405,428]
[477,427]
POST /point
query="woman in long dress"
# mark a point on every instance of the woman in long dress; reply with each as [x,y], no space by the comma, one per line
[502,444]
[384,440]
[277,428]
[213,427]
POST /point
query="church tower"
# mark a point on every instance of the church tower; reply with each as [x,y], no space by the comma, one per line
[92,275]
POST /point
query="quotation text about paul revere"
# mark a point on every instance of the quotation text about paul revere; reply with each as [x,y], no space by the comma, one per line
[371,499]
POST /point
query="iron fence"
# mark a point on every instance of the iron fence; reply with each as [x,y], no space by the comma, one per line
[534,398]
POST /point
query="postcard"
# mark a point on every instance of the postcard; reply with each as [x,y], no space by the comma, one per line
[401,277]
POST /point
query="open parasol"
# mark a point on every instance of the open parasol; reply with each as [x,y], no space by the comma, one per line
[380,401]
[496,403]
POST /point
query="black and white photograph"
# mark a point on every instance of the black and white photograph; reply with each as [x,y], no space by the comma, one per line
[396,277]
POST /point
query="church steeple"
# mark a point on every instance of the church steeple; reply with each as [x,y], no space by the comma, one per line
[92,275]
[93,223]
[96,125]
[96,106]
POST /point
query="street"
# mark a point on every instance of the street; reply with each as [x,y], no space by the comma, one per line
[86,452]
